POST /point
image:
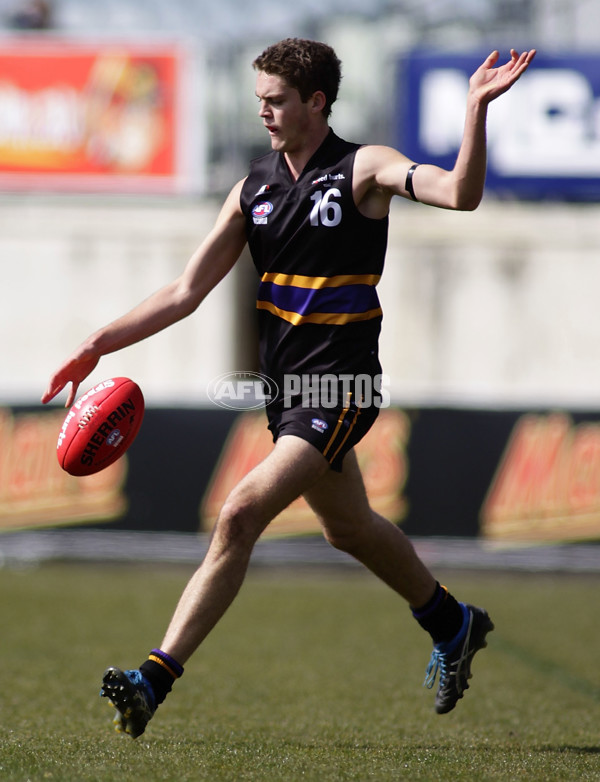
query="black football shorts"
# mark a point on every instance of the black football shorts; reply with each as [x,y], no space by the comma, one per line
[332,430]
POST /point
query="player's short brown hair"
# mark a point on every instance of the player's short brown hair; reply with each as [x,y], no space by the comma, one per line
[307,66]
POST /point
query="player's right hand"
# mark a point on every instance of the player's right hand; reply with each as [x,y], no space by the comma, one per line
[74,371]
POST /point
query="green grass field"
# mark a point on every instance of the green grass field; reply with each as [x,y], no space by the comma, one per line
[312,675]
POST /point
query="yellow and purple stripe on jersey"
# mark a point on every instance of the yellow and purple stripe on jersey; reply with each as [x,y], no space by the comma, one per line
[337,300]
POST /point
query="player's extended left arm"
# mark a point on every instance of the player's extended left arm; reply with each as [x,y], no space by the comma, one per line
[462,187]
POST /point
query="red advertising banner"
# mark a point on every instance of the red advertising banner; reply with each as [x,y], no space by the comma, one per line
[91,116]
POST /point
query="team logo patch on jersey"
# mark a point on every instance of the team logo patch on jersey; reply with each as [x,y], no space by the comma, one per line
[261,211]
[319,425]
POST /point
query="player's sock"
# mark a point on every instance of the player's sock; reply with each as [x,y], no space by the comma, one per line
[161,670]
[442,615]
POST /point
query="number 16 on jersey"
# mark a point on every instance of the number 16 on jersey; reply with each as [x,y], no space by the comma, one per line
[326,211]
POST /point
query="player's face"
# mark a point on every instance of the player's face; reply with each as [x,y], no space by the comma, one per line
[287,119]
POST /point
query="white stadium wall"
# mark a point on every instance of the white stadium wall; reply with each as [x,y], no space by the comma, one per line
[68,268]
[492,308]
[495,307]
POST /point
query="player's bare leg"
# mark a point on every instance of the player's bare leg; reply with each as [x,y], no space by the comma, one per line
[458,630]
[342,507]
[268,489]
[290,469]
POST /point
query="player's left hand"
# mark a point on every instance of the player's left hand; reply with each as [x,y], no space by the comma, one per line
[488,82]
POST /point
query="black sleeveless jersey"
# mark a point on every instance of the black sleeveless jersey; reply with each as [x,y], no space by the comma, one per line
[319,260]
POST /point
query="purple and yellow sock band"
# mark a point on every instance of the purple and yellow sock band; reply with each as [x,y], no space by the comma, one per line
[167,662]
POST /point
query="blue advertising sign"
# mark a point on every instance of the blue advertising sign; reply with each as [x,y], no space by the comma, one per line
[543,135]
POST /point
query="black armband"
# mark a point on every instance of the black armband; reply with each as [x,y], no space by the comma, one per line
[408,185]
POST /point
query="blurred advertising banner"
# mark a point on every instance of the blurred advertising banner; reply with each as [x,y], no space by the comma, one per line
[507,476]
[547,486]
[543,135]
[156,485]
[105,116]
[35,492]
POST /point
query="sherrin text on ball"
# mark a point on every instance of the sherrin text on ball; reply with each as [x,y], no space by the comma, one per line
[100,426]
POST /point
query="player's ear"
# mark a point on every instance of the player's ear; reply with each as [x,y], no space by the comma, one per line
[317,102]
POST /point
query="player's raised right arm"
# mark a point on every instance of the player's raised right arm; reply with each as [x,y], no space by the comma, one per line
[213,259]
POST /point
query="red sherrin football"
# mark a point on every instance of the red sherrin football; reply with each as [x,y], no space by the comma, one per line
[100,426]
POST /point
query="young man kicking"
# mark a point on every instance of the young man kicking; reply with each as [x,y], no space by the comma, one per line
[314,213]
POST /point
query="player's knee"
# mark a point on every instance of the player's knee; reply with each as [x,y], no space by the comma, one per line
[346,539]
[238,524]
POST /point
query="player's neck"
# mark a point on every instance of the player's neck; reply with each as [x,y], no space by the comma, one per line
[297,159]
